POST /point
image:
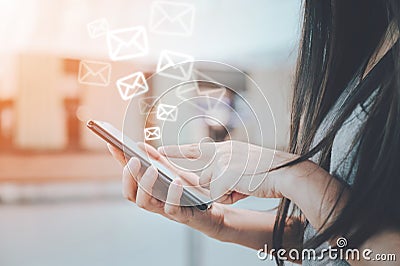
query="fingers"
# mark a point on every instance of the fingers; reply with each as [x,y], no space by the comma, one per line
[129,184]
[150,150]
[155,155]
[190,151]
[117,154]
[203,151]
[174,195]
[144,198]
[223,187]
[205,177]
[227,189]
[232,198]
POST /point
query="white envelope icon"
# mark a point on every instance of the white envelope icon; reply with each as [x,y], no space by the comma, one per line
[97,28]
[167,112]
[94,73]
[148,105]
[132,85]
[203,99]
[127,43]
[175,65]
[152,133]
[172,18]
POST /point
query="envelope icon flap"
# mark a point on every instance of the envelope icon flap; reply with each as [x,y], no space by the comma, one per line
[166,109]
[148,104]
[173,59]
[169,59]
[135,80]
[190,90]
[127,43]
[97,28]
[149,101]
[132,85]
[95,68]
[200,76]
[145,105]
[98,25]
[213,93]
[167,112]
[185,91]
[172,18]
[127,36]
[173,11]
[94,73]
[166,61]
[152,132]
[204,98]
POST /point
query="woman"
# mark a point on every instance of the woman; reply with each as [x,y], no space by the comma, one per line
[341,176]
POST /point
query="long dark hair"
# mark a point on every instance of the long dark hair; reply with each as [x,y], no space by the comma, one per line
[339,37]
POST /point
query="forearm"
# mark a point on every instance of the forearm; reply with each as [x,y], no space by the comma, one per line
[313,190]
[253,229]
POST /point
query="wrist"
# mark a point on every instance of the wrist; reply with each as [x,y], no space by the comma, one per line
[313,190]
[246,227]
[273,182]
[218,227]
[227,230]
[291,178]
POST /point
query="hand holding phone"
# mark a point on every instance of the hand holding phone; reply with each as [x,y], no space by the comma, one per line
[209,222]
[192,196]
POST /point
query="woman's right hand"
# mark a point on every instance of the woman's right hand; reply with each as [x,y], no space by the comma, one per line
[137,188]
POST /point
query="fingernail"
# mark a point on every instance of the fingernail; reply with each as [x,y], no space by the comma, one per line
[177,183]
[153,169]
[133,162]
[160,149]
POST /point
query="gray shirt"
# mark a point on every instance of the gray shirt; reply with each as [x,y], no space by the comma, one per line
[342,154]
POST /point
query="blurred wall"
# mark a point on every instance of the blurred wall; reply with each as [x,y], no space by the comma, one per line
[105,103]
[40,118]
[276,84]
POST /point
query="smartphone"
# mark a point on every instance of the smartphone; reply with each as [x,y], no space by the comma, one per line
[192,196]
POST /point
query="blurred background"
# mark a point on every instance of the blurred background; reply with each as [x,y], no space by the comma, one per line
[60,199]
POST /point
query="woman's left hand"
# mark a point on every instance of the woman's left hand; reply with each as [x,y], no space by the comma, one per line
[237,169]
